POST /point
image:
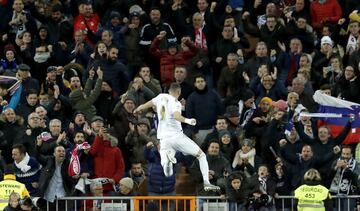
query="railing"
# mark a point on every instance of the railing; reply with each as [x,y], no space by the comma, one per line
[180,203]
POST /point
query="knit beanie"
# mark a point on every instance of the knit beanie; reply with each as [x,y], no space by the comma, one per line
[281,105]
[127,182]
[224,132]
[267,100]
[248,142]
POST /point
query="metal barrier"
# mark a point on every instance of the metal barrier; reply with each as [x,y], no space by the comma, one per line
[178,203]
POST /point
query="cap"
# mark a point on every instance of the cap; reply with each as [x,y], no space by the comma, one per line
[78,112]
[114,14]
[134,14]
[51,68]
[280,105]
[326,40]
[127,182]
[23,67]
[232,111]
[97,118]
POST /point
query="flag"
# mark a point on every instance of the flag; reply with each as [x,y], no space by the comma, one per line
[331,105]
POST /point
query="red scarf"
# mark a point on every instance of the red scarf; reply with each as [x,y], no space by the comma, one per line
[74,167]
[200,39]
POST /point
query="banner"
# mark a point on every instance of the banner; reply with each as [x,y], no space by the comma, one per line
[333,106]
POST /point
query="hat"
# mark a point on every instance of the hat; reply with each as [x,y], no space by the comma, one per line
[144,121]
[78,112]
[224,132]
[232,111]
[97,118]
[130,97]
[280,105]
[114,14]
[266,99]
[134,14]
[326,40]
[51,68]
[355,16]
[172,45]
[23,67]
[248,142]
[135,8]
[127,182]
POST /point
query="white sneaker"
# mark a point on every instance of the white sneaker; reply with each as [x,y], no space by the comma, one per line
[211,187]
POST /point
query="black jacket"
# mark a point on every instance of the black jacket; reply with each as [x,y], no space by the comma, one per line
[48,170]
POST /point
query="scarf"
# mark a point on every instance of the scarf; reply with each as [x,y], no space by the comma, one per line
[352,44]
[80,185]
[23,165]
[200,39]
[248,113]
[240,155]
[341,183]
[74,167]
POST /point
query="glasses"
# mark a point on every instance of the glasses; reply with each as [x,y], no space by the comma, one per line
[34,117]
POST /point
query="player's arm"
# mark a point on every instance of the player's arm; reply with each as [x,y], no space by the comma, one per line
[180,118]
[143,107]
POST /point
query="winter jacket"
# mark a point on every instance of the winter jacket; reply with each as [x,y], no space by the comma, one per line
[168,62]
[85,105]
[30,176]
[108,161]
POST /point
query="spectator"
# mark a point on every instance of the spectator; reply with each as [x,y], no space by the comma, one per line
[138,175]
[348,85]
[104,149]
[181,77]
[8,65]
[139,91]
[137,138]
[26,168]
[219,167]
[32,130]
[52,139]
[235,191]
[54,181]
[114,71]
[149,81]
[198,105]
[345,180]
[245,159]
[87,21]
[328,11]
[25,108]
[77,97]
[79,51]
[12,126]
[171,57]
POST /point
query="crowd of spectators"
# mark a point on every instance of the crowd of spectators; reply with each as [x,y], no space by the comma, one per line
[73,71]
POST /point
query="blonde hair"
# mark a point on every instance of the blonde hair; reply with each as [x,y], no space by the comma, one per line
[312,175]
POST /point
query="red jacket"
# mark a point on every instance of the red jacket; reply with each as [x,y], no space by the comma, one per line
[93,24]
[330,11]
[168,62]
[108,161]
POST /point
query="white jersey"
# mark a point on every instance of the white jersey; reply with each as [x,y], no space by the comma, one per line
[166,105]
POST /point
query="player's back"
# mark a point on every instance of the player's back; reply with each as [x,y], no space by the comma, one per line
[166,105]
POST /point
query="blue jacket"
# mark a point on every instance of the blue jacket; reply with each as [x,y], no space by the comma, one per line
[157,182]
[30,176]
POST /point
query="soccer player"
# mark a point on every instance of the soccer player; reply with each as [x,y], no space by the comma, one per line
[171,135]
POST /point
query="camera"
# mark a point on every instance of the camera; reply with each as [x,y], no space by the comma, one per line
[261,201]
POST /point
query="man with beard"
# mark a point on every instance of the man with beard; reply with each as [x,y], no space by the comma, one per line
[204,105]
[114,71]
[137,174]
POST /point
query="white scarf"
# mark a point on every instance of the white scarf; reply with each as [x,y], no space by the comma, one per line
[23,165]
[240,155]
[352,44]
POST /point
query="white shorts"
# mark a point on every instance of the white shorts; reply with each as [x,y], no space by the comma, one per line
[179,143]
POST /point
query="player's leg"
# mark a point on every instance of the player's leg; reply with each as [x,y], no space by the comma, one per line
[166,163]
[189,147]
